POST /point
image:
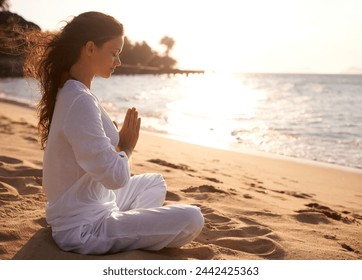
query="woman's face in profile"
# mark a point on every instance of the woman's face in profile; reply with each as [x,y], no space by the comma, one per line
[106,57]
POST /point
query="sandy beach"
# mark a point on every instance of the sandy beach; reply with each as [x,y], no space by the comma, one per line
[255,206]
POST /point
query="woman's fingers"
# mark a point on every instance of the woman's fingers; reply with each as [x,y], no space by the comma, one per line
[130,130]
[127,118]
[133,118]
[138,124]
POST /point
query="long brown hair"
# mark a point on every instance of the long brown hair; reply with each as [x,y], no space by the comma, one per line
[51,55]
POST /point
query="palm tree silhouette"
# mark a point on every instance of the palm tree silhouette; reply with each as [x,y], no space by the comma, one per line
[168,42]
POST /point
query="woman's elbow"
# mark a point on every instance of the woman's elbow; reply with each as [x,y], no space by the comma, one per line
[117,183]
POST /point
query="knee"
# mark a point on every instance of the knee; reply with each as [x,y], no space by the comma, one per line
[196,219]
[193,225]
[159,182]
[159,178]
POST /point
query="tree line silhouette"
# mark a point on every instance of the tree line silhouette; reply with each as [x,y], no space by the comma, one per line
[136,57]
[141,54]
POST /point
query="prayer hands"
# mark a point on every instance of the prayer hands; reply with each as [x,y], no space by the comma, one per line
[128,135]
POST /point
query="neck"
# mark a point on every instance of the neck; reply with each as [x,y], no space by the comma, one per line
[78,72]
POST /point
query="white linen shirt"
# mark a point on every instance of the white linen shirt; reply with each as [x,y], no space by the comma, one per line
[81,167]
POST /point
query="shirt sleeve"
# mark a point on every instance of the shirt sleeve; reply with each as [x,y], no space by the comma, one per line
[93,150]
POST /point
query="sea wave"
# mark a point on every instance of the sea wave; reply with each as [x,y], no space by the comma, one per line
[315,117]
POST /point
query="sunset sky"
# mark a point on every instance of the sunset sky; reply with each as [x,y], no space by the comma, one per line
[303,36]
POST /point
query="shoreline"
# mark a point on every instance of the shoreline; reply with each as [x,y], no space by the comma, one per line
[255,207]
[236,150]
[244,151]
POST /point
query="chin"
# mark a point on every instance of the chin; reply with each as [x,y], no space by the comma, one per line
[105,75]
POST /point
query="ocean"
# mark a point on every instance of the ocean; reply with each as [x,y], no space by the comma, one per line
[304,116]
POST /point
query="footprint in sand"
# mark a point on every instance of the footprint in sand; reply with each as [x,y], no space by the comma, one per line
[182,167]
[210,179]
[312,218]
[357,216]
[217,219]
[264,212]
[23,171]
[18,179]
[9,235]
[203,189]
[203,192]
[317,213]
[24,185]
[30,139]
[263,247]
[10,127]
[239,234]
[9,160]
[295,194]
[8,192]
[347,247]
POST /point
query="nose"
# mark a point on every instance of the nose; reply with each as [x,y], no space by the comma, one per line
[118,61]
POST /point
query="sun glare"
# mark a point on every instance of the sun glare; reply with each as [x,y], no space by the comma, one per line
[211,106]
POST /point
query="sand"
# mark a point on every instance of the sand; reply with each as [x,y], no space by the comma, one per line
[255,206]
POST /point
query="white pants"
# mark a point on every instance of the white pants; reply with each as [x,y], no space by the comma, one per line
[141,222]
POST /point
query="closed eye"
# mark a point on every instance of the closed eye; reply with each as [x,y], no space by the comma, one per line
[116,52]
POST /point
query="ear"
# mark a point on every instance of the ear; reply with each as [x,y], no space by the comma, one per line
[89,48]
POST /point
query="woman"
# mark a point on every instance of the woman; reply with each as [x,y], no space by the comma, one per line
[94,205]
